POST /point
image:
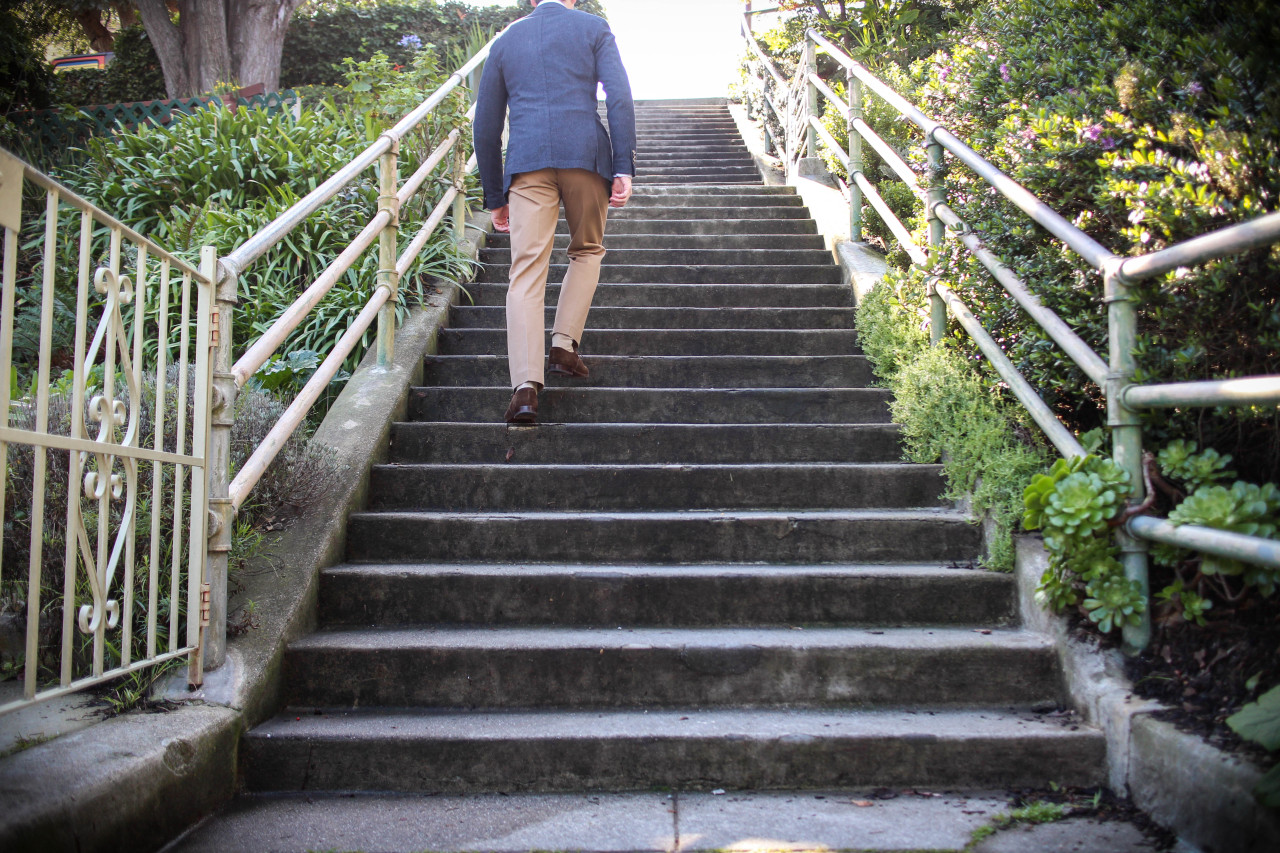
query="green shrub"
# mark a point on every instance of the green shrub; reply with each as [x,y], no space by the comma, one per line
[1145,123]
[322,35]
[949,413]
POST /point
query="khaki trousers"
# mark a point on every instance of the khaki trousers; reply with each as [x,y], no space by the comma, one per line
[535,199]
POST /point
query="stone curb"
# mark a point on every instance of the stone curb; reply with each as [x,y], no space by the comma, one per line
[1200,792]
[138,780]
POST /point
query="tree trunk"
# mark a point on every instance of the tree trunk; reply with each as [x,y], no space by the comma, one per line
[128,15]
[218,41]
[256,30]
[166,40]
[101,39]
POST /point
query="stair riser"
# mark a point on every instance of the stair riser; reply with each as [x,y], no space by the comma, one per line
[688,295]
[643,405]
[495,317]
[350,597]
[612,273]
[708,210]
[662,539]
[683,257]
[753,189]
[708,199]
[685,242]
[391,763]
[514,487]
[688,677]
[599,444]
[671,342]
[697,227]
[670,372]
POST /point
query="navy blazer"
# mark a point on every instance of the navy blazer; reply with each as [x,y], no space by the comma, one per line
[545,67]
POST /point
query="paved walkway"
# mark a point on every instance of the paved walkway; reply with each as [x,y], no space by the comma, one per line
[639,823]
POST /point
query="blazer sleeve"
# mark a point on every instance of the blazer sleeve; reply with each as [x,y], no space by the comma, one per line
[618,102]
[491,114]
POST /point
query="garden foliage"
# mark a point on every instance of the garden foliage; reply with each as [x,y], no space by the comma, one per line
[1145,123]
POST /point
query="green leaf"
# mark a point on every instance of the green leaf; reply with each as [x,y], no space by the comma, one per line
[1268,788]
[1260,721]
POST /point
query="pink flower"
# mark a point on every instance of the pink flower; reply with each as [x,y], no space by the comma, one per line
[1004,72]
[1194,88]
[1028,134]
[1092,132]
[1107,143]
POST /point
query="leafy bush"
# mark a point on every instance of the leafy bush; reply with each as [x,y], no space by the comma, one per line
[322,35]
[1145,123]
[1260,722]
[949,413]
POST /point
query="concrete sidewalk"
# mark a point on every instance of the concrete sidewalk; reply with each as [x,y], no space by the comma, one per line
[631,823]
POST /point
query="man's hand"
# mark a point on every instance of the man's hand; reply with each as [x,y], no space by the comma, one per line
[621,191]
[502,219]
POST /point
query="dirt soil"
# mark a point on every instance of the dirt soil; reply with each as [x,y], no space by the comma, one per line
[1205,674]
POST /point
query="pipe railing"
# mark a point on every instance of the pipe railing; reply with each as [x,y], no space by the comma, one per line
[228,495]
[1114,376]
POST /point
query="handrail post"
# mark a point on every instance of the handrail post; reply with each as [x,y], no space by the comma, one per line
[460,184]
[811,100]
[1126,437]
[389,202]
[937,194]
[855,158]
[221,514]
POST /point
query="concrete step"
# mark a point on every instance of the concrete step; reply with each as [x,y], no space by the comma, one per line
[676,225]
[726,149]
[617,273]
[494,317]
[666,179]
[685,257]
[672,342]
[649,214]
[627,667]
[723,197]
[663,162]
[602,488]
[647,822]
[686,242]
[623,444]
[656,212]
[432,751]
[621,294]
[711,190]
[832,536]
[660,405]
[707,371]
[871,596]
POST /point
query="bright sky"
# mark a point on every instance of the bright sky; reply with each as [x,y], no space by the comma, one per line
[674,48]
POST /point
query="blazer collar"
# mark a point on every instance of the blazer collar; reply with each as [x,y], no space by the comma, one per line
[543,7]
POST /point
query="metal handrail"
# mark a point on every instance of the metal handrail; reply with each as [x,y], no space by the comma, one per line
[1115,377]
[228,495]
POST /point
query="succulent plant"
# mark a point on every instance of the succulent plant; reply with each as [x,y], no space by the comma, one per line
[1180,461]
[1114,603]
[1080,505]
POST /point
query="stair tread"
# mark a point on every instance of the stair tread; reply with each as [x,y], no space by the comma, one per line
[641,570]
[517,638]
[679,723]
[547,516]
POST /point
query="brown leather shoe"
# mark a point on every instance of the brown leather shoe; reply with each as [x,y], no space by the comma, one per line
[524,407]
[561,362]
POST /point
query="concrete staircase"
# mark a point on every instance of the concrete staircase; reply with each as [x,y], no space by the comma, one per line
[706,567]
